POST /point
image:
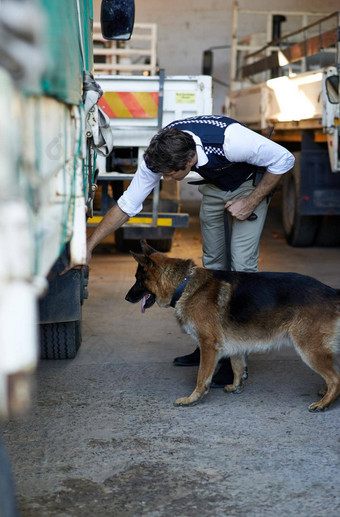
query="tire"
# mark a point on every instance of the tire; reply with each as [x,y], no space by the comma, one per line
[125,245]
[300,230]
[8,506]
[329,231]
[60,340]
[162,245]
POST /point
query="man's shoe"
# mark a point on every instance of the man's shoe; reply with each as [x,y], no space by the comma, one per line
[224,375]
[188,360]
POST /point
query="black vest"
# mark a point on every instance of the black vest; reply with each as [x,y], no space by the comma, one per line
[219,170]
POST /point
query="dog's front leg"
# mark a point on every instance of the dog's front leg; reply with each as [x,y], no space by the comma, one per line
[208,361]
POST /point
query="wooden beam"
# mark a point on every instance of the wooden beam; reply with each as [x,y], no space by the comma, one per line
[294,53]
[261,65]
[296,136]
[311,46]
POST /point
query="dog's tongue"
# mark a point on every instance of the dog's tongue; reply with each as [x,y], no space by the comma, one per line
[145,297]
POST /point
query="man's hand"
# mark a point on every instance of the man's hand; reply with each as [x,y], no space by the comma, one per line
[79,266]
[241,209]
[112,220]
[68,268]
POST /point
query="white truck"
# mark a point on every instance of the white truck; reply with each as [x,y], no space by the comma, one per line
[51,129]
[137,107]
[291,82]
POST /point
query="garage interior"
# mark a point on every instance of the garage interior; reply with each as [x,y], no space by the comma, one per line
[103,436]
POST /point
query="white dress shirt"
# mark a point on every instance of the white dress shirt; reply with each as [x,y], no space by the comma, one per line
[240,145]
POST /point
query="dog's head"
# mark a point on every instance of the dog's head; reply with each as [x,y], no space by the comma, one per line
[141,290]
[157,277]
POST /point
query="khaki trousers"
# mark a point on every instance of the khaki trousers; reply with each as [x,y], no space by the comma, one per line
[244,235]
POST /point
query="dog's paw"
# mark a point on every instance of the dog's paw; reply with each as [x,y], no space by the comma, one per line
[184,401]
[316,407]
[231,388]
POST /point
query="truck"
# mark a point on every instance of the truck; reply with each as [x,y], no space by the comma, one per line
[139,99]
[51,132]
[137,107]
[288,84]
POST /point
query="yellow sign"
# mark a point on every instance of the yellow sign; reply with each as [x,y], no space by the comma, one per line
[185,98]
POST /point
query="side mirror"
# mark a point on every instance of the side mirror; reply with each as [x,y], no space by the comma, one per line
[332,89]
[117,19]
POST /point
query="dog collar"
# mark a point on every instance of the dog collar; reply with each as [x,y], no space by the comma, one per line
[179,291]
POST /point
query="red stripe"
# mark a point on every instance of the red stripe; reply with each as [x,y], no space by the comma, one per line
[132,104]
[106,108]
[154,96]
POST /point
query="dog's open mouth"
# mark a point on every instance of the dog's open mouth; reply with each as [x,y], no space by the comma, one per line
[138,293]
[147,301]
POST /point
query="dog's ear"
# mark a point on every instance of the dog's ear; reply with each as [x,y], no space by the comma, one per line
[147,249]
[141,259]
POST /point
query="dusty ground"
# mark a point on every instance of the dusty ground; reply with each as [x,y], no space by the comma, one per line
[104,437]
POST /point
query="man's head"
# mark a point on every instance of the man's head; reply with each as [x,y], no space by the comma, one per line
[171,151]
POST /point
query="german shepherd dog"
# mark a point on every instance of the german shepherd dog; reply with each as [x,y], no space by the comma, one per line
[233,313]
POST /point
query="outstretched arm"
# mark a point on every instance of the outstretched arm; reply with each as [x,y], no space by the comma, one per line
[131,202]
[112,220]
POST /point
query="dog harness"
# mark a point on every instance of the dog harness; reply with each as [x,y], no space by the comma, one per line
[219,170]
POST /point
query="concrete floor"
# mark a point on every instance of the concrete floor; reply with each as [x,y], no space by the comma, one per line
[104,438]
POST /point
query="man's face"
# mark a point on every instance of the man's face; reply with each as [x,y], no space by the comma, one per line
[179,175]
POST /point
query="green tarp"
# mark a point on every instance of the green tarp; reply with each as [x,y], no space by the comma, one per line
[63,78]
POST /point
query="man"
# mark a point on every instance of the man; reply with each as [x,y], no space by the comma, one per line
[226,154]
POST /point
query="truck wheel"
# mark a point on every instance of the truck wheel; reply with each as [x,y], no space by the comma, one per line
[60,340]
[300,230]
[329,233]
[125,245]
[8,507]
[162,245]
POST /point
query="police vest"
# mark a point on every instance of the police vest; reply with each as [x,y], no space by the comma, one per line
[218,170]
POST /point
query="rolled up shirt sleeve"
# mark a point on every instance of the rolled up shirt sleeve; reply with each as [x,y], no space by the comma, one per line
[241,144]
[144,180]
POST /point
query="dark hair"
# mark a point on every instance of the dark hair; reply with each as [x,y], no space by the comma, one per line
[169,150]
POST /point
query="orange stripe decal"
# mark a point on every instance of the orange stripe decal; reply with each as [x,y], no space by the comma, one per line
[154,97]
[130,101]
[149,106]
[130,104]
[106,107]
